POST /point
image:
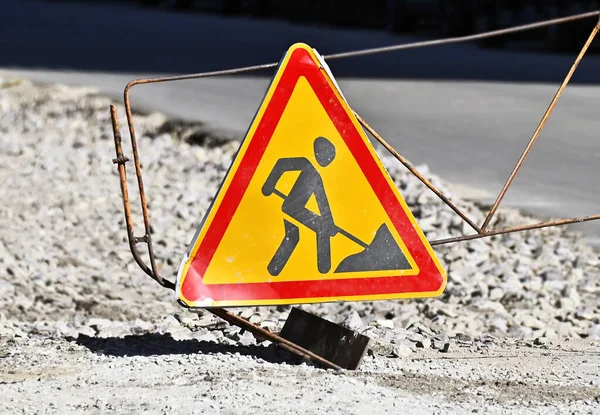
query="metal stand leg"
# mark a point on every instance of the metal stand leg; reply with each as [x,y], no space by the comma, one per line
[272,337]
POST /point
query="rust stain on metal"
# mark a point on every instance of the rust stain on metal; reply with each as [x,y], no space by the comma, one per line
[120,160]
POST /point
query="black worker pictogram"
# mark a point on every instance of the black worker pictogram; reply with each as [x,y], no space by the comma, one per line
[383,253]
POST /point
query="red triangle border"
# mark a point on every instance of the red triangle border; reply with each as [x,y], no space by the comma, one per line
[430,281]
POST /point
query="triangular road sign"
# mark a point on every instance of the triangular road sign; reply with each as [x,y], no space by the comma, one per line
[307,212]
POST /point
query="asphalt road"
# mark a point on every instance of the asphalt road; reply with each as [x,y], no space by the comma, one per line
[465,112]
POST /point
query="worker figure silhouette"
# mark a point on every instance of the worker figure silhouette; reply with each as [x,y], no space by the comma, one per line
[309,183]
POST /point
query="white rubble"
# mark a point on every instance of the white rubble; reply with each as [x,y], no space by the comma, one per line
[83,328]
[65,255]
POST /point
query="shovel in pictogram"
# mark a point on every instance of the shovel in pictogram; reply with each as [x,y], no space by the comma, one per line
[382,254]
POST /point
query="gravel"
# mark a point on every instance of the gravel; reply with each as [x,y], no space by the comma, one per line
[153,373]
[67,256]
[66,271]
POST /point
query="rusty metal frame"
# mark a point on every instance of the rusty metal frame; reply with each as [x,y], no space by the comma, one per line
[481,231]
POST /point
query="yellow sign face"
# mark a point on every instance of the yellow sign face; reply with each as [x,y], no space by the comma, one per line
[307,212]
[254,235]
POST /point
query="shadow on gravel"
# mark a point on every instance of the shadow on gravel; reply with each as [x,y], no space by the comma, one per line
[151,344]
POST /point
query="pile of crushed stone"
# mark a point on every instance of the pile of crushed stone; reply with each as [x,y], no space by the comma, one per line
[65,267]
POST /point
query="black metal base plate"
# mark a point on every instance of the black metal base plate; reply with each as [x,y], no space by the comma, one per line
[339,345]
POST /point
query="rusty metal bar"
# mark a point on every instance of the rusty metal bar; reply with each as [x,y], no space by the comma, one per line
[468,38]
[417,174]
[272,337]
[138,173]
[502,231]
[540,126]
[133,240]
[223,72]
[120,161]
